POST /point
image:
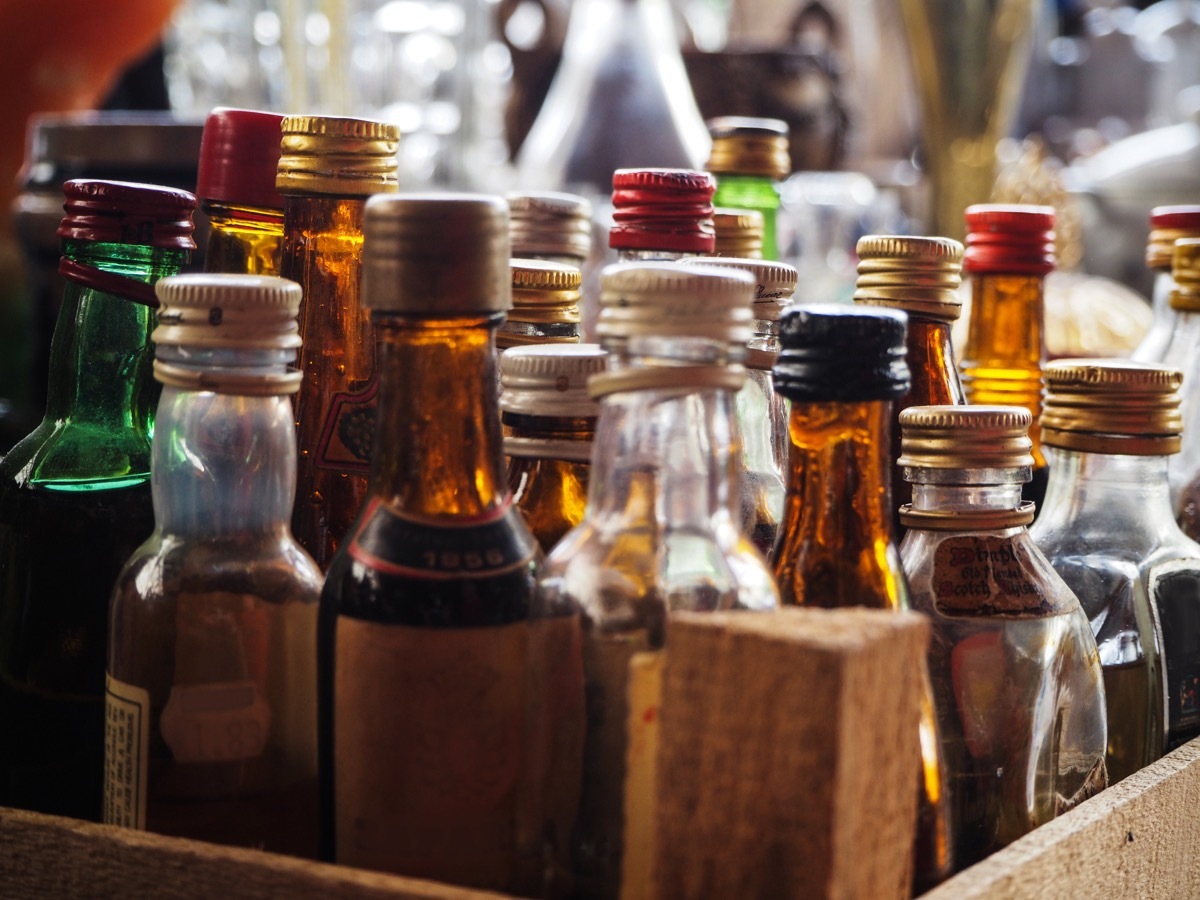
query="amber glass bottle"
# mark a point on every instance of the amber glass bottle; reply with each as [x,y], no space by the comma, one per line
[842,368]
[327,169]
[450,703]
[1010,251]
[1016,675]
[235,184]
[545,305]
[550,420]
[1167,225]
[211,718]
[919,275]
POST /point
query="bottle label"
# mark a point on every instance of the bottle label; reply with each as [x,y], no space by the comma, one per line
[210,723]
[1175,589]
[126,753]
[429,744]
[412,547]
[349,432]
[986,575]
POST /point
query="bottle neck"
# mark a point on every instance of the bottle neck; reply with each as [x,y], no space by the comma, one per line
[757,192]
[666,456]
[1085,488]
[242,239]
[438,449]
[224,464]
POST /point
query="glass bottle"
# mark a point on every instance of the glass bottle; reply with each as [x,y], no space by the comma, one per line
[750,157]
[210,701]
[1016,676]
[549,420]
[76,490]
[762,413]
[327,169]
[428,624]
[738,233]
[551,225]
[661,214]
[1109,531]
[1167,225]
[920,276]
[545,305]
[1183,470]
[239,158]
[1010,250]
[661,530]
[620,98]
[842,368]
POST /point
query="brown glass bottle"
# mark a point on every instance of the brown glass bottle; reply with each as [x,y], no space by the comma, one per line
[920,276]
[437,668]
[1010,250]
[327,169]
[550,420]
[235,184]
[842,368]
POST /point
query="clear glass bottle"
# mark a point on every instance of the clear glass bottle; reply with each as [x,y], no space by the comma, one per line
[549,420]
[1010,250]
[661,532]
[327,169]
[545,305]
[842,368]
[239,158]
[762,413]
[75,492]
[450,700]
[750,157]
[1183,469]
[1167,225]
[738,233]
[661,214]
[1109,531]
[920,276]
[210,702]
[1016,675]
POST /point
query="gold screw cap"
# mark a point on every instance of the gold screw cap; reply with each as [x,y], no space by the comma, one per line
[337,156]
[1112,406]
[1185,269]
[436,254]
[548,223]
[919,275]
[550,380]
[748,146]
[739,232]
[965,437]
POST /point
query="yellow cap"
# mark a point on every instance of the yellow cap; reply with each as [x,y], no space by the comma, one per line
[965,437]
[919,275]
[749,146]
[1185,269]
[739,232]
[545,308]
[338,157]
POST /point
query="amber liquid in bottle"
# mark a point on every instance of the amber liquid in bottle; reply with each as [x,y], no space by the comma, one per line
[550,492]
[836,549]
[335,408]
[243,239]
[1002,361]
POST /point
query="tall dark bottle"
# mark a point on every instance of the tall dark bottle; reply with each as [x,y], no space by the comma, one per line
[75,493]
[434,660]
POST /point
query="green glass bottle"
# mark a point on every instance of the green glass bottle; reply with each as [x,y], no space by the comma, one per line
[75,493]
[749,157]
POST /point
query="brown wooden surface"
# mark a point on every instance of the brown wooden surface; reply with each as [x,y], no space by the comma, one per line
[770,724]
[47,858]
[1138,838]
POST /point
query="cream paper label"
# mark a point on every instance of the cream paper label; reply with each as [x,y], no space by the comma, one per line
[126,752]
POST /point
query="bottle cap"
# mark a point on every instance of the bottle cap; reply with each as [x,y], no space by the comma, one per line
[1185,270]
[239,158]
[919,275]
[1009,239]
[550,380]
[1167,225]
[550,224]
[662,209]
[1112,406]
[838,353]
[642,302]
[739,232]
[965,437]
[748,146]
[239,312]
[336,156]
[774,282]
[436,254]
[545,308]
[119,212]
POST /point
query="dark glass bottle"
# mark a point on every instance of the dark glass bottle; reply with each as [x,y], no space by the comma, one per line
[75,493]
[919,276]
[445,692]
[842,368]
